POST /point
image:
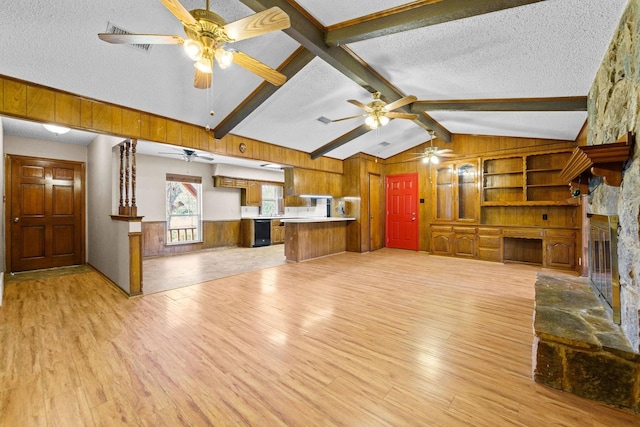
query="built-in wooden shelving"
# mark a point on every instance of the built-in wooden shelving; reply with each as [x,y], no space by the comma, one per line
[525,180]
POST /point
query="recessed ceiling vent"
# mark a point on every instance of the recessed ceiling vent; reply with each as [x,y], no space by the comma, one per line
[385,143]
[323,119]
[114,29]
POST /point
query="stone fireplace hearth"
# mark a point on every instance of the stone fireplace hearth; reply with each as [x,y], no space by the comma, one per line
[578,348]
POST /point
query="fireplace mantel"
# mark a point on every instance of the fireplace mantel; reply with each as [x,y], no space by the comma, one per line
[605,160]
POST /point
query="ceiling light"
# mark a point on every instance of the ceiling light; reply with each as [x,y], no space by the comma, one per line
[272,166]
[204,65]
[224,58]
[193,49]
[383,120]
[434,160]
[58,130]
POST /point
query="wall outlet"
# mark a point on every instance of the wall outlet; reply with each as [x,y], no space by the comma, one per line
[544,217]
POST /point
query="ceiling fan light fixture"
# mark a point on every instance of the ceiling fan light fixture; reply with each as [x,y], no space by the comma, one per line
[434,160]
[58,130]
[204,65]
[224,58]
[193,49]
[384,120]
[371,122]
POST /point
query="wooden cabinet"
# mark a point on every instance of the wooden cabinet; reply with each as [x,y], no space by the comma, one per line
[252,194]
[559,249]
[489,244]
[441,239]
[277,231]
[299,181]
[464,242]
[455,190]
[225,181]
[550,248]
[247,233]
[531,180]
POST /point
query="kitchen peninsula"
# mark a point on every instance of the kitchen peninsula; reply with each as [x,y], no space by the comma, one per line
[312,237]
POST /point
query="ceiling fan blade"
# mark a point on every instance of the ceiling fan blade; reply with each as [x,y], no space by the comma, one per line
[171,154]
[360,105]
[205,157]
[260,23]
[349,118]
[179,11]
[140,38]
[269,74]
[439,154]
[409,116]
[400,102]
[446,150]
[202,80]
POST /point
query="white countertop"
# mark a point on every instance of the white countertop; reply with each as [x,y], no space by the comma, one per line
[316,219]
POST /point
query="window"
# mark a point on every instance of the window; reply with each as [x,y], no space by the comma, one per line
[184,209]
[272,200]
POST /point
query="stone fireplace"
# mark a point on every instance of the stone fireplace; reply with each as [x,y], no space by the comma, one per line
[578,347]
[603,262]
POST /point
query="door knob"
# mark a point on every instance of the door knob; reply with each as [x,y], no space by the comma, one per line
[16,219]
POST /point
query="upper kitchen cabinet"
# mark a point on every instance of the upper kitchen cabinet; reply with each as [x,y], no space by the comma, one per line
[252,194]
[455,190]
[299,182]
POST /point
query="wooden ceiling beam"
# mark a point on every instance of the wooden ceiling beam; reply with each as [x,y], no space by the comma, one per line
[569,103]
[338,142]
[296,62]
[422,16]
[311,37]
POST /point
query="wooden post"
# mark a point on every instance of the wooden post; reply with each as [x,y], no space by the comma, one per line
[128,178]
[134,208]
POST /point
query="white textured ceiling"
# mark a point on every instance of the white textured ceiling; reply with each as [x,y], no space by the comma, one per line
[547,49]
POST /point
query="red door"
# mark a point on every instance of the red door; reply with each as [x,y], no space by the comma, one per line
[402,211]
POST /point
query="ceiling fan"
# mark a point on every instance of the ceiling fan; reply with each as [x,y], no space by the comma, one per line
[378,113]
[188,155]
[431,155]
[207,33]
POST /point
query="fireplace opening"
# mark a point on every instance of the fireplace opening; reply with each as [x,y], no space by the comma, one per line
[603,261]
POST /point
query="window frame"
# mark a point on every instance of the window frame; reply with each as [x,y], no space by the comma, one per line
[196,232]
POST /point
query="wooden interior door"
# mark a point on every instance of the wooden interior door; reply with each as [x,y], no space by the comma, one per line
[376,232]
[45,213]
[402,211]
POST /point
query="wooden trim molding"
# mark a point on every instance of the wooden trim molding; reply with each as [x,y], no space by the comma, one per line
[135,263]
[174,177]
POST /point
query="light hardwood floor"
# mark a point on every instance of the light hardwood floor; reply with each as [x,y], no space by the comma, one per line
[171,272]
[387,338]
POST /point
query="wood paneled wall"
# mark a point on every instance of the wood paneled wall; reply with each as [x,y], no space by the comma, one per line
[30,101]
[216,234]
[258,150]
[473,147]
[355,184]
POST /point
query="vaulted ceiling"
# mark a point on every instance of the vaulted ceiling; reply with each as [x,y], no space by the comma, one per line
[534,60]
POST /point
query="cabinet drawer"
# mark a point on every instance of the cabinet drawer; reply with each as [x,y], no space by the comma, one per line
[489,242]
[242,183]
[464,230]
[523,233]
[490,254]
[485,231]
[569,234]
[441,229]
